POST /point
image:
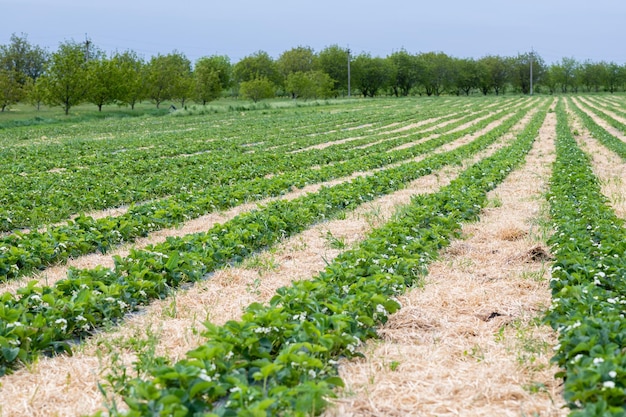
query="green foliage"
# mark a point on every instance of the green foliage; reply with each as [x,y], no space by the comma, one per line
[131,83]
[220,64]
[301,59]
[371,75]
[405,72]
[333,60]
[467,76]
[34,93]
[27,61]
[307,85]
[519,71]
[66,82]
[168,77]
[10,89]
[211,76]
[257,89]
[437,73]
[104,78]
[257,66]
[494,74]
[587,284]
[207,84]
[616,145]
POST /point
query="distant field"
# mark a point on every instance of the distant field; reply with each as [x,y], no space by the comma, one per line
[362,257]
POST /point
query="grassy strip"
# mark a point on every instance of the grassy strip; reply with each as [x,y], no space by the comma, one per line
[589,290]
[44,319]
[22,253]
[280,359]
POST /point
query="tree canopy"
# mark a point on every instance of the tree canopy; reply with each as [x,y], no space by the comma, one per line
[66,78]
[81,72]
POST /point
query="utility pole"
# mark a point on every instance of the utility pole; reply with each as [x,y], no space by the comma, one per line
[532,52]
[348,71]
[87,43]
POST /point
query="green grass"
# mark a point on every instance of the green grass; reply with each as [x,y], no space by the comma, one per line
[27,115]
[23,114]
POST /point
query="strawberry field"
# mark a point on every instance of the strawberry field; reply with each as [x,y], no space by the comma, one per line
[116,236]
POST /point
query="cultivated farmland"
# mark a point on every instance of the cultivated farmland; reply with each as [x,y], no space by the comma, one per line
[425,256]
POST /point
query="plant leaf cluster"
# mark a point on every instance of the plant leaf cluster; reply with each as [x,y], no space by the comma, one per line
[588,286]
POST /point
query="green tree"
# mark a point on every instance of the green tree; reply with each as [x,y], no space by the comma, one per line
[34,93]
[296,60]
[437,73]
[10,88]
[256,66]
[593,75]
[405,72]
[66,80]
[104,78]
[311,84]
[323,84]
[299,84]
[185,88]
[300,59]
[222,66]
[611,76]
[169,77]
[207,83]
[26,60]
[257,89]
[371,74]
[132,78]
[467,75]
[564,74]
[333,60]
[494,74]
[550,79]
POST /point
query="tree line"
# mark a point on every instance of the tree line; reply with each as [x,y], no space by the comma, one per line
[81,72]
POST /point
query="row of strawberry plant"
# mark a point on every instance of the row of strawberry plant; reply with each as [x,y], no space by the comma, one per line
[118,189]
[588,285]
[170,137]
[280,358]
[611,106]
[30,200]
[598,132]
[21,253]
[44,319]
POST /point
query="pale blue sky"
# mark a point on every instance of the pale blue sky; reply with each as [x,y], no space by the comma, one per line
[582,29]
